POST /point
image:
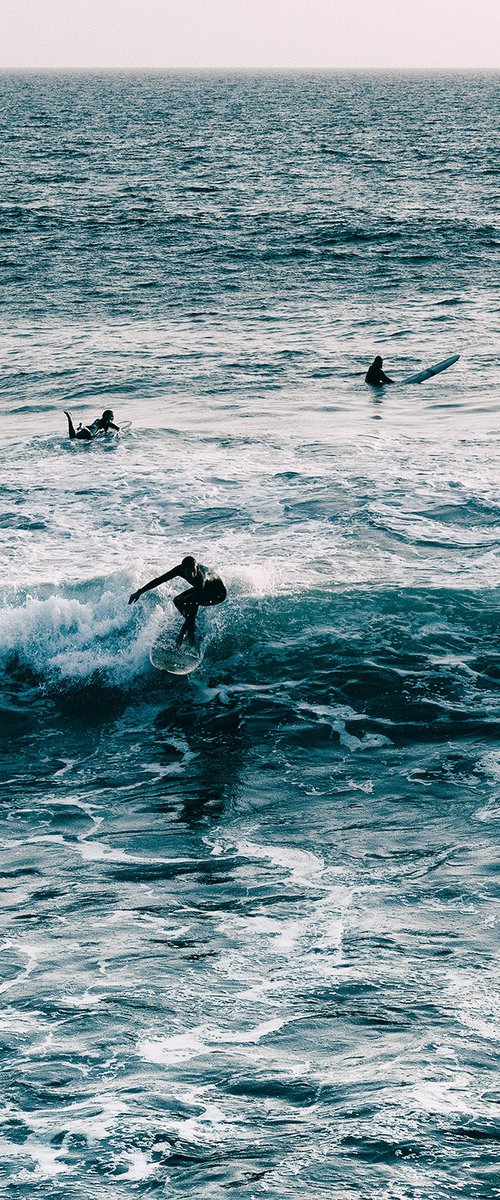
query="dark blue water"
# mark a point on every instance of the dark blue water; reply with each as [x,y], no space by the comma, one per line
[249,917]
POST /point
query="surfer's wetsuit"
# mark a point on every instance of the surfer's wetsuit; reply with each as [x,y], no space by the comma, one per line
[85,433]
[206,590]
[375,375]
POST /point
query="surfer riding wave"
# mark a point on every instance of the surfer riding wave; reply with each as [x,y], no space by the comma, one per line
[206,590]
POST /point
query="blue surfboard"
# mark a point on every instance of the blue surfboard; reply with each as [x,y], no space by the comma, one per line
[434,370]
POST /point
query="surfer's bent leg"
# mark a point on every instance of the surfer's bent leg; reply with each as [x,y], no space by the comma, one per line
[188,603]
[185,602]
[188,606]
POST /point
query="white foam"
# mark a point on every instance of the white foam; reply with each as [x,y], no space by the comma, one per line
[12,1021]
[179,1048]
[92,850]
[241,1038]
[209,1127]
[490,811]
[170,1051]
[27,950]
[74,638]
[476,1002]
[94,1119]
[87,1000]
[47,1160]
[137,1167]
[302,865]
[257,579]
[445,1095]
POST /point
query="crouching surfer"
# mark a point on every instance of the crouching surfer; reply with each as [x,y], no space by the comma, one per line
[375,375]
[206,590]
[85,433]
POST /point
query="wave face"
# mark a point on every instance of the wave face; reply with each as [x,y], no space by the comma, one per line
[248,916]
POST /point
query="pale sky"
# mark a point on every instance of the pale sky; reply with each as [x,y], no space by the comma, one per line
[249,33]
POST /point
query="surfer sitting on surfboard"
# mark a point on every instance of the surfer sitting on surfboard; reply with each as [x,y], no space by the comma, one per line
[206,589]
[375,375]
[85,433]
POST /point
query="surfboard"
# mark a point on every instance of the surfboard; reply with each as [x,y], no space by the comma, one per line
[165,655]
[434,370]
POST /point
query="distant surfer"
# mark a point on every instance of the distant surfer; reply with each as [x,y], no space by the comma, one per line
[85,433]
[375,375]
[206,590]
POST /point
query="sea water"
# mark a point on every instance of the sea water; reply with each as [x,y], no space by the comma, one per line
[249,917]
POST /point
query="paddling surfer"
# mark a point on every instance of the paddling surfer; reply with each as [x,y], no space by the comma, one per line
[206,590]
[85,433]
[375,375]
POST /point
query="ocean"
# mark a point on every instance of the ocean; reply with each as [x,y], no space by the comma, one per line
[249,917]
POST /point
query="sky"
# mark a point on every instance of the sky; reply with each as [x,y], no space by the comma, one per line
[239,34]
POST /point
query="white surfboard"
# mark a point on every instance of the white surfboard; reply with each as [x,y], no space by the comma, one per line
[434,370]
[166,655]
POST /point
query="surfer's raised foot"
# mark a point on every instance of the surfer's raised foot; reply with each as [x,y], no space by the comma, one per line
[71,427]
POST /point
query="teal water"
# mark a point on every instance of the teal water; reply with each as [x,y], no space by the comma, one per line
[249,937]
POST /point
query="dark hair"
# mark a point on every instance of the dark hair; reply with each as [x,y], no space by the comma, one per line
[377,362]
[188,562]
[108,415]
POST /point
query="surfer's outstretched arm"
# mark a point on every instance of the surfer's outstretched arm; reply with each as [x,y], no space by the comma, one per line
[385,378]
[154,583]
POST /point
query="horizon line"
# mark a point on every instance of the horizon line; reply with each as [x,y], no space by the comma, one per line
[279,70]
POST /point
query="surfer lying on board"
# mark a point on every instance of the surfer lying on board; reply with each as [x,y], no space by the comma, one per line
[85,433]
[206,589]
[375,375]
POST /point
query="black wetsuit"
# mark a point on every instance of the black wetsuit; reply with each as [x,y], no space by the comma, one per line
[376,376]
[206,590]
[85,433]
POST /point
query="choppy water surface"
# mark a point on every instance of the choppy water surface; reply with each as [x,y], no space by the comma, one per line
[249,917]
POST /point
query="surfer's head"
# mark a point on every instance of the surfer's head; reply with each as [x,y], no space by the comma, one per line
[377,362]
[108,415]
[188,566]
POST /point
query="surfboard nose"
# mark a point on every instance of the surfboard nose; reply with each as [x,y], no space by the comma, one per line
[434,370]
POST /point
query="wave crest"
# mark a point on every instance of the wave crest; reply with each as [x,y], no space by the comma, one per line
[75,637]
